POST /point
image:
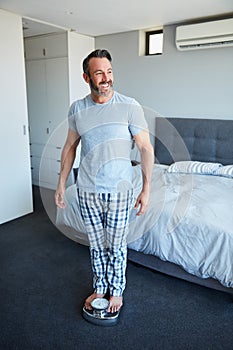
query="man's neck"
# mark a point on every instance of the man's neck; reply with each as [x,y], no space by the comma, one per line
[101,99]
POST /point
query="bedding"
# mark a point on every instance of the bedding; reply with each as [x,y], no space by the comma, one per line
[193,227]
[194,167]
[189,221]
[226,171]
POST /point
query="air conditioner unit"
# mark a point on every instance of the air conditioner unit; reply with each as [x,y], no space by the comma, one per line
[205,35]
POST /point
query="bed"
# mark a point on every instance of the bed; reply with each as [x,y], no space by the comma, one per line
[187,231]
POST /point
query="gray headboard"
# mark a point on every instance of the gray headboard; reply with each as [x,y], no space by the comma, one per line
[206,140]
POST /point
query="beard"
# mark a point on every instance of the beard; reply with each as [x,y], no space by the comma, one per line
[97,90]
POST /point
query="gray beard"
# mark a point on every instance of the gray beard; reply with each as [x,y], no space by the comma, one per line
[96,90]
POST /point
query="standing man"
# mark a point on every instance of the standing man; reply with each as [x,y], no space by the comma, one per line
[106,122]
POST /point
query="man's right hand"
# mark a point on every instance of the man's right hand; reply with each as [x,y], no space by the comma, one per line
[59,198]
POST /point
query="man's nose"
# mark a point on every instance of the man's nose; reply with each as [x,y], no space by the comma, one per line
[104,77]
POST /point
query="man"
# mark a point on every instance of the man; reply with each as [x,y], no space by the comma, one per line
[106,122]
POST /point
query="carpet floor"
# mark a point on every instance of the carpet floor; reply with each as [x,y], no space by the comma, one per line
[45,278]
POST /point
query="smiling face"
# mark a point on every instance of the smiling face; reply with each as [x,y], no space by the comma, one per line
[100,79]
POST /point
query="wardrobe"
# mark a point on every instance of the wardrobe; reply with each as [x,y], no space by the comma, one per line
[54,80]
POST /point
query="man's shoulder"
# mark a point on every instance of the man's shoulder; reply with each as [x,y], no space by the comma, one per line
[80,104]
[121,98]
[82,101]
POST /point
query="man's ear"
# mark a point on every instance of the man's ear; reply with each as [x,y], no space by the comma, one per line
[86,78]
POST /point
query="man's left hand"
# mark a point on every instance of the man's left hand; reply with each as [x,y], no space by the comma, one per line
[142,203]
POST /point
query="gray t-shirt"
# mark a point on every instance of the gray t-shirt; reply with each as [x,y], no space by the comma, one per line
[106,132]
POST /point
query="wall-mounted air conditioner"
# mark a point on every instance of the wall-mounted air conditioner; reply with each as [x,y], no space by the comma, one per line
[205,35]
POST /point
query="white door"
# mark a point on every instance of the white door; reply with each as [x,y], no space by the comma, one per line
[57,91]
[37,101]
[15,174]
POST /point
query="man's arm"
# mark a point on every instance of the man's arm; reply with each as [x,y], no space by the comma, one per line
[67,160]
[146,150]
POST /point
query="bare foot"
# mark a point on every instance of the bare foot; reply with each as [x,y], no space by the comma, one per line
[90,298]
[115,303]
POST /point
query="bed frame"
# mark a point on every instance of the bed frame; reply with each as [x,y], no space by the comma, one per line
[177,139]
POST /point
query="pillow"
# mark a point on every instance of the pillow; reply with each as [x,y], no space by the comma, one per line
[226,170]
[194,167]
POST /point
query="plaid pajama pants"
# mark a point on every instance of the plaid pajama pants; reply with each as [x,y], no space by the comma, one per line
[106,217]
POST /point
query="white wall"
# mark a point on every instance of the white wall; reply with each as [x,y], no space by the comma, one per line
[193,83]
[79,46]
[15,175]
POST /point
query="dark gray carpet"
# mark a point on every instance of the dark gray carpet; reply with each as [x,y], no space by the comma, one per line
[45,278]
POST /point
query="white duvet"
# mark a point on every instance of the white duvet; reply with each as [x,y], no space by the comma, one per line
[189,222]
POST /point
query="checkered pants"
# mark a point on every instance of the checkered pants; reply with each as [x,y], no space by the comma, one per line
[106,217]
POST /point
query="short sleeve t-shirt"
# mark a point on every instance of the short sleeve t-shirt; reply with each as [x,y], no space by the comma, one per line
[106,132]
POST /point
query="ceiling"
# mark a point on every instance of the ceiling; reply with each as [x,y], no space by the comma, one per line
[103,17]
